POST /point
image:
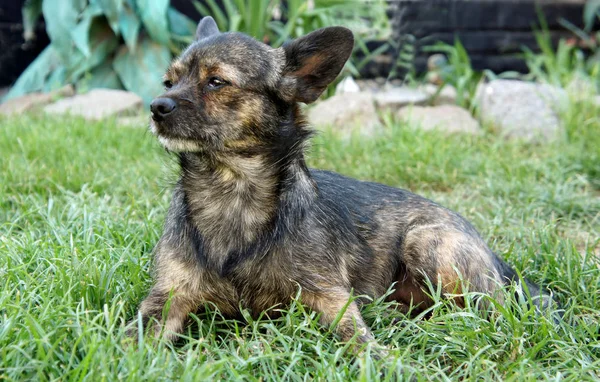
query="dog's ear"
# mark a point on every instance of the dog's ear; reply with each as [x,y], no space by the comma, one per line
[312,62]
[206,27]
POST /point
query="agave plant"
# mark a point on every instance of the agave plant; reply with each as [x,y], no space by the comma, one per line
[120,44]
[127,44]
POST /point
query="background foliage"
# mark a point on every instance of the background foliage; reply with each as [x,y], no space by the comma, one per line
[121,44]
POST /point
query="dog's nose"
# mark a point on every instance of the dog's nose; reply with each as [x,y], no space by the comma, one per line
[161,107]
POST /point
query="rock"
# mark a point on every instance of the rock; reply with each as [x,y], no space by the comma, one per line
[395,98]
[30,101]
[521,109]
[97,104]
[134,121]
[581,89]
[436,62]
[345,113]
[447,96]
[347,85]
[368,85]
[448,118]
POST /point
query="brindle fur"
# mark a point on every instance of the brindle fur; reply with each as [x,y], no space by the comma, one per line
[250,224]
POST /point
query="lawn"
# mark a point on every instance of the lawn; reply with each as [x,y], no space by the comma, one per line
[82,204]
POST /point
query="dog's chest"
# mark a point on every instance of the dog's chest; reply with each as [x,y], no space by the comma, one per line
[262,285]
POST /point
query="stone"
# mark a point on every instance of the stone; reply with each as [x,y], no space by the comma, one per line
[448,118]
[436,62]
[142,121]
[446,96]
[523,110]
[345,113]
[31,101]
[368,85]
[347,85]
[98,104]
[395,98]
[580,88]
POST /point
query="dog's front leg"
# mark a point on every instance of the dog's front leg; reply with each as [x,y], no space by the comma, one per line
[167,311]
[175,294]
[336,304]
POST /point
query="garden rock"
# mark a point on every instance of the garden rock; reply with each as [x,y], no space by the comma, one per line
[98,104]
[347,85]
[446,96]
[345,113]
[521,109]
[30,101]
[448,118]
[395,98]
[134,121]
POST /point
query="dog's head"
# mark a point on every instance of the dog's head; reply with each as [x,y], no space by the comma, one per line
[228,91]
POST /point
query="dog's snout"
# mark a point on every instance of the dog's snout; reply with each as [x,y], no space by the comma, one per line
[161,107]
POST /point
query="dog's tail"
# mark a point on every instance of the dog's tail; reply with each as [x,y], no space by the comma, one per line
[541,298]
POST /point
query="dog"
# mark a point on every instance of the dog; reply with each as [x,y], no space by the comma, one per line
[250,225]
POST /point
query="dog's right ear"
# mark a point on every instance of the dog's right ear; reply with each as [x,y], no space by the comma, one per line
[206,28]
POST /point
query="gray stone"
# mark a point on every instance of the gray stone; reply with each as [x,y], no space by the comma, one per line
[98,104]
[142,121]
[346,113]
[395,98]
[446,96]
[581,89]
[368,85]
[523,110]
[448,118]
[347,85]
[31,101]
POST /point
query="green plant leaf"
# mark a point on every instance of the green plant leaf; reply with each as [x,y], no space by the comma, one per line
[34,77]
[61,18]
[31,11]
[129,24]
[56,79]
[180,24]
[214,10]
[103,42]
[141,71]
[102,76]
[81,33]
[154,17]
[590,12]
[112,10]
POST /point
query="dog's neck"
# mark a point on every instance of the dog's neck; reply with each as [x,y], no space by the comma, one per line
[235,199]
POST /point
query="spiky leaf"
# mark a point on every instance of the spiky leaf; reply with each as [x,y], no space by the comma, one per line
[61,18]
[154,18]
[141,71]
[102,76]
[180,24]
[81,33]
[112,10]
[31,11]
[103,43]
[129,24]
[34,77]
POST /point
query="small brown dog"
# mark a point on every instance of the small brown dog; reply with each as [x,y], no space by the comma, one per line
[250,224]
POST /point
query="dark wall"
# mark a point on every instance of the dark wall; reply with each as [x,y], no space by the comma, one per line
[15,53]
[493,32]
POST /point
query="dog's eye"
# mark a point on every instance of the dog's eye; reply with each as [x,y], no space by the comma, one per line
[216,82]
[168,84]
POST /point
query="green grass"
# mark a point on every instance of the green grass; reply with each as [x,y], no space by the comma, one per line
[82,204]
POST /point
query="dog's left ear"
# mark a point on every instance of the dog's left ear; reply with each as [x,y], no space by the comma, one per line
[206,27]
[312,62]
